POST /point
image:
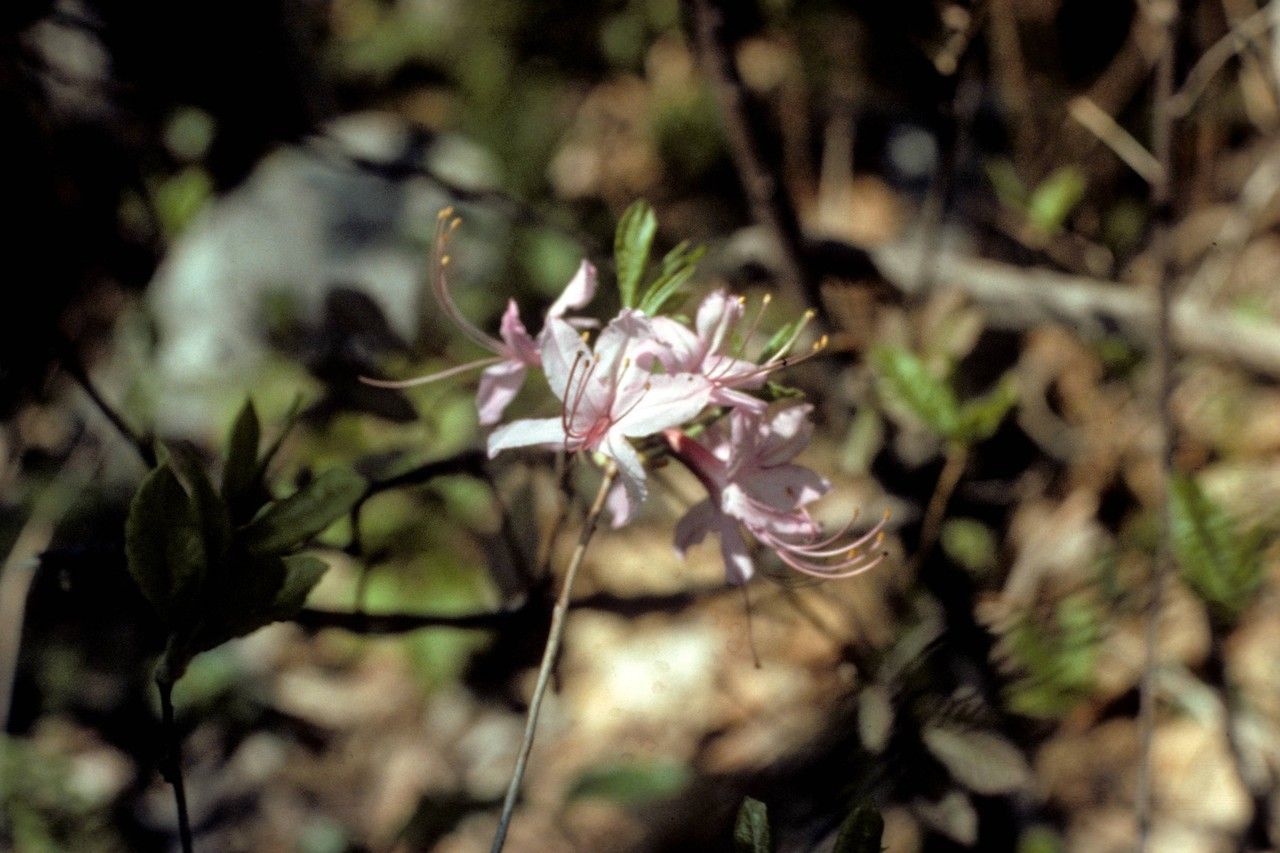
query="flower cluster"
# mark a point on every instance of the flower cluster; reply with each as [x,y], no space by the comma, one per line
[689,391]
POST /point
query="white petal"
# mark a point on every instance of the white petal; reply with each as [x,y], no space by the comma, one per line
[539,431]
[561,349]
[662,402]
[577,293]
[630,475]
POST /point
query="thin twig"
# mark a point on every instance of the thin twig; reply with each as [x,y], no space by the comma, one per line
[956,459]
[71,363]
[1217,56]
[1100,123]
[171,766]
[549,656]
[766,195]
[1162,202]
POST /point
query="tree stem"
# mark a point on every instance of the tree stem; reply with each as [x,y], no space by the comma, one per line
[549,656]
[172,764]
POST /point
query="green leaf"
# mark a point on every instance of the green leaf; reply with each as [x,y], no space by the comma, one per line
[164,545]
[302,573]
[1055,198]
[241,472]
[861,831]
[981,417]
[751,833]
[631,246]
[906,378]
[970,543]
[294,520]
[290,421]
[215,521]
[780,339]
[1220,565]
[1009,187]
[239,600]
[678,267]
[632,783]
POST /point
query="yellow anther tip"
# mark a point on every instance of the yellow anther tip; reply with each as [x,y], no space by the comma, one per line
[766,299]
[445,213]
[453,226]
[444,260]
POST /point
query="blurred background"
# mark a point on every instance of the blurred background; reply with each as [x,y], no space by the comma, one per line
[213,201]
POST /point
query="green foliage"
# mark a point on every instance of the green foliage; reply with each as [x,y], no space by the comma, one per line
[41,809]
[209,579]
[164,544]
[969,543]
[1054,199]
[241,468]
[178,198]
[905,378]
[290,522]
[678,266]
[1056,661]
[1046,207]
[751,833]
[631,783]
[631,246]
[861,831]
[1222,566]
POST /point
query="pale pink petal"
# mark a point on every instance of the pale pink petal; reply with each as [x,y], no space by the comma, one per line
[662,402]
[694,525]
[630,476]
[737,399]
[562,354]
[759,516]
[673,345]
[716,316]
[499,385]
[785,434]
[738,567]
[577,293]
[614,345]
[545,432]
[520,344]
[784,487]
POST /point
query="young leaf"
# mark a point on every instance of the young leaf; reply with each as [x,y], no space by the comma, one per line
[861,831]
[981,417]
[239,599]
[215,521]
[1215,561]
[929,398]
[678,267]
[164,545]
[631,783]
[751,833]
[1053,200]
[778,340]
[631,246]
[302,573]
[305,513]
[240,473]
[290,420]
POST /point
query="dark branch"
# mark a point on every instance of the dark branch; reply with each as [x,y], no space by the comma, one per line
[771,208]
[71,363]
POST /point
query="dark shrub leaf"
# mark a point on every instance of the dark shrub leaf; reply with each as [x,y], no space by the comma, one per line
[292,521]
[751,833]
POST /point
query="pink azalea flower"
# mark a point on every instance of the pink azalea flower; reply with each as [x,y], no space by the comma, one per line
[607,398]
[702,350]
[514,351]
[744,461]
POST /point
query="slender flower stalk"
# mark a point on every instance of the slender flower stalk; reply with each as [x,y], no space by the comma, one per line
[171,765]
[549,654]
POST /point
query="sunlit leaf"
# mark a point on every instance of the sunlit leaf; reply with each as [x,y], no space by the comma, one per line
[751,833]
[294,520]
[1055,198]
[678,267]
[631,783]
[1216,561]
[631,246]
[969,543]
[906,378]
[980,417]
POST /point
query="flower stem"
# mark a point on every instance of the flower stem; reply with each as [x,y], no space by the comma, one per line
[171,767]
[549,656]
